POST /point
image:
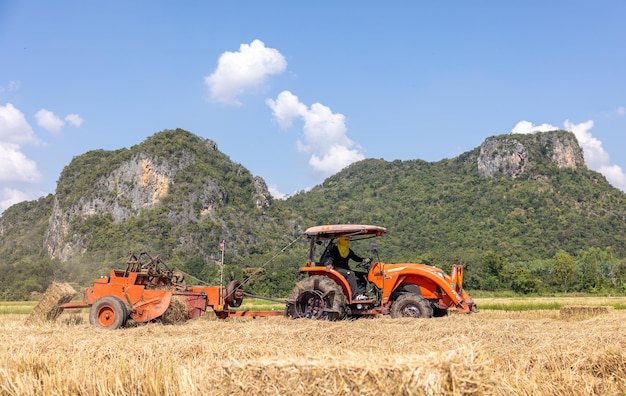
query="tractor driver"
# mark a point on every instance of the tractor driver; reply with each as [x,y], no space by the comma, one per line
[338,257]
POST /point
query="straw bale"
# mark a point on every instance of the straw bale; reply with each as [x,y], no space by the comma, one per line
[176,313]
[48,307]
[582,312]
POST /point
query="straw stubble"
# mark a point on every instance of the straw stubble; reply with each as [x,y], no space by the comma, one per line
[495,352]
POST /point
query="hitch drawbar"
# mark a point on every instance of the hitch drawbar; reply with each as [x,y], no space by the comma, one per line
[278,300]
[232,296]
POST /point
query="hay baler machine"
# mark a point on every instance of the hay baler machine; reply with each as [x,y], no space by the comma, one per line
[147,289]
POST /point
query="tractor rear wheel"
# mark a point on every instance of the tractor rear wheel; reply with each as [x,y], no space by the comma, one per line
[411,305]
[108,313]
[317,297]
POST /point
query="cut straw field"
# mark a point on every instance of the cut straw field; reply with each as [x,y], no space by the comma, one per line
[581,351]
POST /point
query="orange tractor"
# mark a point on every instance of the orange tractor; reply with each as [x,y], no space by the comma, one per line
[144,292]
[402,290]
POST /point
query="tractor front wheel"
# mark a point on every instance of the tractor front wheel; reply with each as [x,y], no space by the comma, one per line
[411,306]
[108,313]
[317,297]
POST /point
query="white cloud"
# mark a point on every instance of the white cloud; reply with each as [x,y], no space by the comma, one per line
[286,108]
[334,159]
[277,194]
[237,72]
[273,189]
[13,126]
[526,127]
[615,175]
[595,156]
[324,133]
[14,132]
[621,110]
[15,166]
[9,197]
[49,121]
[74,119]
[53,124]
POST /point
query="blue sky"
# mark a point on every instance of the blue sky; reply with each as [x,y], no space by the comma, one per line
[294,91]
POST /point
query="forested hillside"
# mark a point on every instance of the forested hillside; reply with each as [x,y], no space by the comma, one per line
[526,214]
[521,212]
[175,195]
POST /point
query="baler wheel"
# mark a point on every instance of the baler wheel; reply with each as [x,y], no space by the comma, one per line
[108,313]
[411,305]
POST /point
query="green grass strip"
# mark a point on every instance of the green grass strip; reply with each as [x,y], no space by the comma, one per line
[521,306]
[15,310]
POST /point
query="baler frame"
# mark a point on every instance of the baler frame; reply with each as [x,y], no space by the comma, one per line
[144,291]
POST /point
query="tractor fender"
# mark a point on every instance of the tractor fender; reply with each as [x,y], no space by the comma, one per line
[426,280]
[332,274]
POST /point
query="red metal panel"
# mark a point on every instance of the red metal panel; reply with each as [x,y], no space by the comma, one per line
[342,229]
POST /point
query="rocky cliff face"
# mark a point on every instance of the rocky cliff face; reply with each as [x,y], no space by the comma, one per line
[514,155]
[136,184]
[142,182]
[262,198]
